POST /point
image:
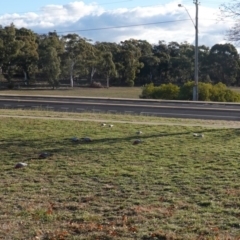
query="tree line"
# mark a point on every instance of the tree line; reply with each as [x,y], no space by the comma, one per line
[30,56]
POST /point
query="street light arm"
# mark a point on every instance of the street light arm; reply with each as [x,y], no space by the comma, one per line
[180,5]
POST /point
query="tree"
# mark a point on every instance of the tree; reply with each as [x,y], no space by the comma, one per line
[130,56]
[232,10]
[181,61]
[9,49]
[107,66]
[76,55]
[161,51]
[223,63]
[51,68]
[27,57]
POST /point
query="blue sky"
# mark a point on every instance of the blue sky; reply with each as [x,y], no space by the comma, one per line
[171,22]
[12,6]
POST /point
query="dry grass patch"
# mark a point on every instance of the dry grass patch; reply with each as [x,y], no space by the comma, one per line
[114,92]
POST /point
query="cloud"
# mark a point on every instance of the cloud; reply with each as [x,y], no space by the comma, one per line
[76,16]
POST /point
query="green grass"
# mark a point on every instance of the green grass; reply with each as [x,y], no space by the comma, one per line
[113,92]
[116,118]
[171,186]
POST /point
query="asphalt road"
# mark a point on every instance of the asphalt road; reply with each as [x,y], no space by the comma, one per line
[176,109]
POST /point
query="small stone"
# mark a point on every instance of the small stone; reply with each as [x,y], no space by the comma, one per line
[110,125]
[139,132]
[20,165]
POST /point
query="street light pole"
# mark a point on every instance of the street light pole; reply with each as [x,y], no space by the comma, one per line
[195,95]
[195,88]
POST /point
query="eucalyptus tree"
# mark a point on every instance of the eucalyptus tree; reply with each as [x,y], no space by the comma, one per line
[77,54]
[52,66]
[150,62]
[130,60]
[107,66]
[162,69]
[204,64]
[27,57]
[224,63]
[9,49]
[231,10]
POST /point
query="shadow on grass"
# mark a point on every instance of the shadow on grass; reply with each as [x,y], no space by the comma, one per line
[61,146]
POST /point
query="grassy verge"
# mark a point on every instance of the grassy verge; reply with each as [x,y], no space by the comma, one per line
[170,186]
[118,118]
[117,92]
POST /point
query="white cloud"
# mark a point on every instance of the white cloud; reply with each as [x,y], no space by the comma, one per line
[79,16]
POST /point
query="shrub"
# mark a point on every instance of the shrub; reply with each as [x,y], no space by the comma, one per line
[186,91]
[204,91]
[231,96]
[168,91]
[147,91]
[165,91]
[96,85]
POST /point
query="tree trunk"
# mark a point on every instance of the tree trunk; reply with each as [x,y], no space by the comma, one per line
[107,81]
[92,74]
[25,77]
[71,74]
[71,80]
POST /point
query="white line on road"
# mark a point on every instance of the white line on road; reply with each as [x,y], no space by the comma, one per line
[129,112]
[96,110]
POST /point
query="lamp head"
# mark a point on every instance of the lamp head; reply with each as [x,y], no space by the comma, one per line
[180,5]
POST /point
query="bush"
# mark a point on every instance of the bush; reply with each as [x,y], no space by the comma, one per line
[206,92]
[186,91]
[96,85]
[168,91]
[147,91]
[165,91]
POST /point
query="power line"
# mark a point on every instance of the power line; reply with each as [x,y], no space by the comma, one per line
[125,26]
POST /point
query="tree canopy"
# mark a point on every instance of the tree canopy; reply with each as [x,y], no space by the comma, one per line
[71,58]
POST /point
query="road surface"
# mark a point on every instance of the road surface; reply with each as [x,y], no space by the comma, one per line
[176,109]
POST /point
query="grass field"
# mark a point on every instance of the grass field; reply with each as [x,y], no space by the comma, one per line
[115,92]
[171,186]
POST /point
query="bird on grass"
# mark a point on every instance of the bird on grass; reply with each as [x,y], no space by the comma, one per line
[86,139]
[103,124]
[20,165]
[137,141]
[74,139]
[110,125]
[139,132]
[44,155]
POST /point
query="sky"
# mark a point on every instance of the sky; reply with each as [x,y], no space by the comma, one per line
[119,20]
